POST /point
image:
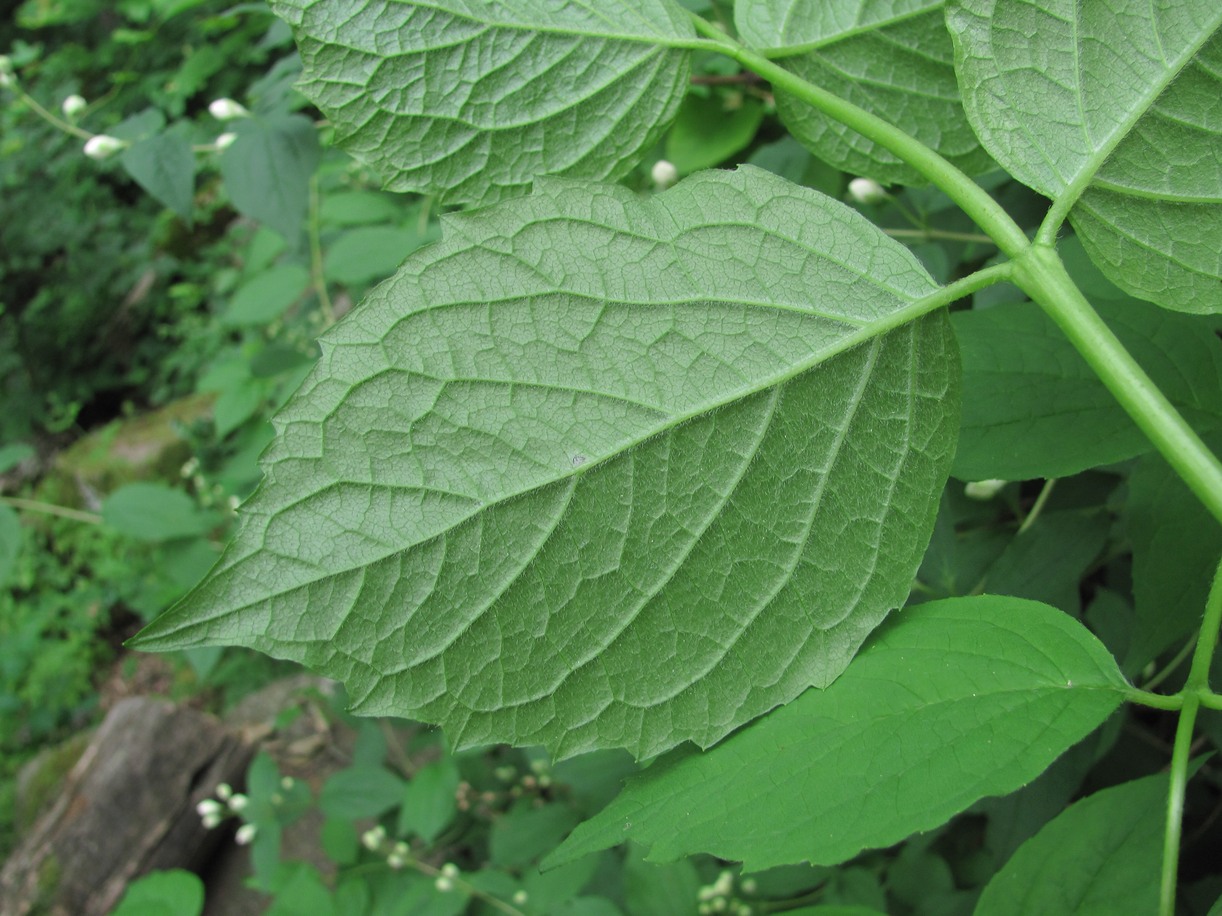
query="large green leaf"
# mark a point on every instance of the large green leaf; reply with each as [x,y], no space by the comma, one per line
[1099,857]
[894,59]
[602,471]
[1110,107]
[952,701]
[267,170]
[474,100]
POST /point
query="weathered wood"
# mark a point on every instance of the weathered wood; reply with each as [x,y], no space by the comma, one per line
[127,808]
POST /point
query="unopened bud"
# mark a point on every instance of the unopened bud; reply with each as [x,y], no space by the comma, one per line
[520,897]
[245,834]
[443,884]
[209,806]
[224,791]
[372,839]
[227,110]
[867,191]
[102,146]
[238,803]
[72,106]
[224,141]
[983,490]
[664,174]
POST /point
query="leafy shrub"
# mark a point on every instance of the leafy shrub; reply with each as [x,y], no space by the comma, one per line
[610,470]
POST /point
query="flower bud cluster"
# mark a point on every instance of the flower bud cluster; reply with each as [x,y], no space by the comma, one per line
[535,785]
[719,897]
[227,803]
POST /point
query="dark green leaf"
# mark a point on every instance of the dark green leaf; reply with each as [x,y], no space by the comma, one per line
[526,833]
[429,803]
[574,475]
[706,134]
[154,512]
[368,253]
[1099,857]
[163,893]
[361,791]
[10,542]
[474,101]
[670,889]
[953,701]
[164,165]
[1176,545]
[1033,408]
[267,170]
[1046,562]
[265,297]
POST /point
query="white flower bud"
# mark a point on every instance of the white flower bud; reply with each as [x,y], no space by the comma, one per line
[664,174]
[245,834]
[749,886]
[372,839]
[224,141]
[224,791]
[7,79]
[212,820]
[209,806]
[103,146]
[449,870]
[6,64]
[396,861]
[287,783]
[983,490]
[72,106]
[227,110]
[238,803]
[867,191]
[443,884]
[519,897]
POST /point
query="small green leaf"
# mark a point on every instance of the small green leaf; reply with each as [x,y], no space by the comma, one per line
[1033,408]
[265,297]
[360,791]
[952,701]
[164,165]
[1047,561]
[671,889]
[163,893]
[154,512]
[574,474]
[1109,108]
[358,208]
[10,542]
[894,59]
[1099,857]
[705,134]
[267,170]
[368,253]
[429,803]
[526,833]
[473,101]
[12,455]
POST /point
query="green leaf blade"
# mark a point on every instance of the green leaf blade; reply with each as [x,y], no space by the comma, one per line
[895,60]
[1109,110]
[597,471]
[473,101]
[1099,857]
[953,701]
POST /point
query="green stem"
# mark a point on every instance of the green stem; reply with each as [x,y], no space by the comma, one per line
[318,279]
[1155,700]
[1196,689]
[51,119]
[1169,668]
[971,198]
[33,505]
[1042,275]
[1038,507]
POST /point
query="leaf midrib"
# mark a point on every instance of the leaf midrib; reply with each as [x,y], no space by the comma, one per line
[817,44]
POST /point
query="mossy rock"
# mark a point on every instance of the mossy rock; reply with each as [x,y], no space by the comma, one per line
[147,447]
[39,781]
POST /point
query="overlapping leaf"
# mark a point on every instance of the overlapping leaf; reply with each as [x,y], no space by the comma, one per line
[473,99]
[600,471]
[1111,107]
[1099,857]
[952,701]
[894,59]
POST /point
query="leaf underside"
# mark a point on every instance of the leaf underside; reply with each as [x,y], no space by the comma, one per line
[472,100]
[597,471]
[895,60]
[951,702]
[1115,107]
